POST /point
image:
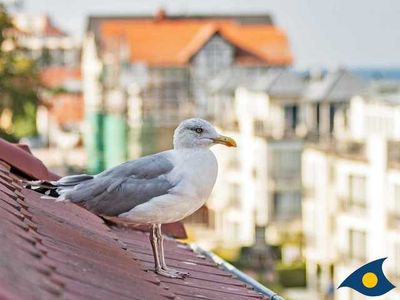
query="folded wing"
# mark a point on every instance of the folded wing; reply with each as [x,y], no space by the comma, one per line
[121,188]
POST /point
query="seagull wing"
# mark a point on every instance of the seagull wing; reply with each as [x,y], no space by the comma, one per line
[123,187]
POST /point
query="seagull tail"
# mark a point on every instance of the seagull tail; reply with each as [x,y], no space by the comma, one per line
[58,188]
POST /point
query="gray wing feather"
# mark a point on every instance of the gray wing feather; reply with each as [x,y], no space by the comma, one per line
[145,167]
[121,188]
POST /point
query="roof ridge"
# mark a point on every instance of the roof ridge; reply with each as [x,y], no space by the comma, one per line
[199,39]
[266,42]
[19,158]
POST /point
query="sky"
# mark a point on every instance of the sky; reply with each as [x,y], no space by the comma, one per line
[322,33]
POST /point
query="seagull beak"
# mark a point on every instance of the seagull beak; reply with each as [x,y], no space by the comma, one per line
[225,140]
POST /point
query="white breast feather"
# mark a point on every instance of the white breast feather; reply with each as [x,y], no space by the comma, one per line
[194,174]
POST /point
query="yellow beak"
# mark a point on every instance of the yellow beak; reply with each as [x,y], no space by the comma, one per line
[225,140]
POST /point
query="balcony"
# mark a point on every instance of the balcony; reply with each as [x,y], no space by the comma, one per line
[349,206]
[393,220]
[346,149]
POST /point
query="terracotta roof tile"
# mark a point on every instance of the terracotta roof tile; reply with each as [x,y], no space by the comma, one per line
[174,42]
[53,250]
[205,281]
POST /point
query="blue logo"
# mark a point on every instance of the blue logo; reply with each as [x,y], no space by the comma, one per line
[369,279]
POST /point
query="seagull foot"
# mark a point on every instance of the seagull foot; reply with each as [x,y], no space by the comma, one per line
[184,274]
[170,273]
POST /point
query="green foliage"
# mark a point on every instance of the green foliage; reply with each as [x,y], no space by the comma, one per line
[19,83]
[292,275]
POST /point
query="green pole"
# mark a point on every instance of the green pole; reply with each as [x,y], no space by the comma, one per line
[94,141]
[115,140]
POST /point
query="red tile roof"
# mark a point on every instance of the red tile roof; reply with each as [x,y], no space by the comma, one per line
[30,25]
[54,77]
[49,29]
[67,108]
[174,41]
[55,250]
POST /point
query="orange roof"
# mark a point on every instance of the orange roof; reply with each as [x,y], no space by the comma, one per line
[174,41]
[67,108]
[49,29]
[54,77]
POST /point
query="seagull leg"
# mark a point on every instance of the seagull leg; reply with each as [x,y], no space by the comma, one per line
[154,245]
[160,240]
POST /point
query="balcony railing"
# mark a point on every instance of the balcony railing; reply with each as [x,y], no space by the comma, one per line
[347,205]
[346,149]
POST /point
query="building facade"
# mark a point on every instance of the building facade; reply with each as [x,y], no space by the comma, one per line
[260,186]
[160,66]
[350,203]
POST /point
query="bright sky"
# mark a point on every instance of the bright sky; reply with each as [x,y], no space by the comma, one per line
[322,33]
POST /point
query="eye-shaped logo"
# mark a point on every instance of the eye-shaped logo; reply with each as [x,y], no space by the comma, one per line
[369,279]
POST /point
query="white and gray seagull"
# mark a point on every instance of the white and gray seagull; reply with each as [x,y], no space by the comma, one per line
[161,188]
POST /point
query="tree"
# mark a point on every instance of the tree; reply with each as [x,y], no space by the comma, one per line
[19,84]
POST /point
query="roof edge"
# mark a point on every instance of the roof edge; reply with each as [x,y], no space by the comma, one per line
[18,156]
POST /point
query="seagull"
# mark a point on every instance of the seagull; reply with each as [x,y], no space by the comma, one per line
[156,189]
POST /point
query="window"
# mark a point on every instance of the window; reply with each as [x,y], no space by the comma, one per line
[357,244]
[259,128]
[287,205]
[215,55]
[291,117]
[285,163]
[332,112]
[357,188]
[234,196]
[396,200]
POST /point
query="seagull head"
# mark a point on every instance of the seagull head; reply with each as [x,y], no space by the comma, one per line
[198,133]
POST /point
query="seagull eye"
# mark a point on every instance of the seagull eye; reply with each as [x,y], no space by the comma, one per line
[199,130]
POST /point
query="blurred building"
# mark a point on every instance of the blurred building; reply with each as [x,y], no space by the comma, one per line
[150,72]
[45,42]
[261,182]
[327,98]
[352,194]
[60,115]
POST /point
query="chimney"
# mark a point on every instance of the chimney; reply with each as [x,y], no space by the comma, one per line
[160,15]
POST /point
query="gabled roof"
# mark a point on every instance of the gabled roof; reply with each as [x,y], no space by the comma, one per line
[53,250]
[279,83]
[276,82]
[162,42]
[39,25]
[336,86]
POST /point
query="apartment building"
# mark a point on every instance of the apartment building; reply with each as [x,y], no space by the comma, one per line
[260,186]
[45,42]
[155,69]
[351,195]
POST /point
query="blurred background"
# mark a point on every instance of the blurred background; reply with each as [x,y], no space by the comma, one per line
[309,89]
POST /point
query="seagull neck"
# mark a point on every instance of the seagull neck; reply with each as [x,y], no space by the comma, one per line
[197,148]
